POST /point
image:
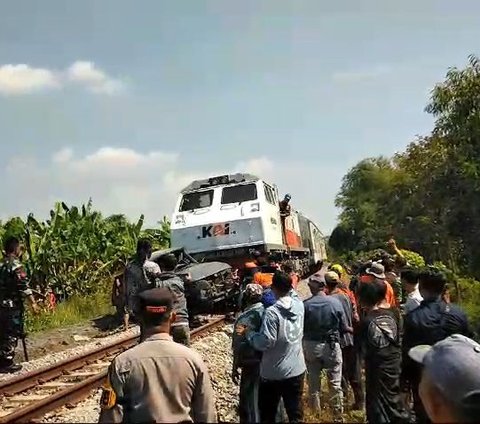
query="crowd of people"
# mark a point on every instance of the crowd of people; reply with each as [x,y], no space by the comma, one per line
[382,331]
[365,331]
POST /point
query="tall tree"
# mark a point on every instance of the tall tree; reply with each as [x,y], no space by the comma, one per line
[428,196]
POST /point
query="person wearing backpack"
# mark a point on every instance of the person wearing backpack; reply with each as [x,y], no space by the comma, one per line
[431,322]
[380,347]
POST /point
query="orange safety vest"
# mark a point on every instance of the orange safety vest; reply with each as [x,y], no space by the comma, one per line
[389,296]
[350,295]
[264,279]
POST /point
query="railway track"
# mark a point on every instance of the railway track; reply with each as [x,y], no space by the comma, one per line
[31,395]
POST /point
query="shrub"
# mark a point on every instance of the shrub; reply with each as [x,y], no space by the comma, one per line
[413,258]
[469,289]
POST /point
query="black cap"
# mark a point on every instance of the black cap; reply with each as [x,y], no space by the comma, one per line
[156,301]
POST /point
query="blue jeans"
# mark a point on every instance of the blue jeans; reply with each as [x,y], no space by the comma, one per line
[248,402]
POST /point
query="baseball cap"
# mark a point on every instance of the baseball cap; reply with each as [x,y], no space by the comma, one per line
[156,301]
[317,280]
[331,277]
[337,268]
[377,270]
[454,368]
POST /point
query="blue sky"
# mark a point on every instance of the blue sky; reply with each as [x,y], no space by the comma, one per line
[127,101]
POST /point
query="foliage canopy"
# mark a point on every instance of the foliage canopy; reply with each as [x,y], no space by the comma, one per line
[428,196]
[77,248]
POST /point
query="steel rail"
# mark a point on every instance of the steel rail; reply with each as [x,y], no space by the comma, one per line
[33,378]
[74,393]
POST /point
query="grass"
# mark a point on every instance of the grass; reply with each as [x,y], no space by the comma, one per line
[326,414]
[75,310]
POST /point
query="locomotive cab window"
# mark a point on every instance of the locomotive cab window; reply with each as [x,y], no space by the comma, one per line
[239,193]
[196,200]
[269,194]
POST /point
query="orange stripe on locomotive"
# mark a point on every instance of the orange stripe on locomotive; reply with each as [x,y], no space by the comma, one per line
[292,231]
[292,239]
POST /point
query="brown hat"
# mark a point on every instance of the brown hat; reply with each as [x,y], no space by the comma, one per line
[331,278]
[156,301]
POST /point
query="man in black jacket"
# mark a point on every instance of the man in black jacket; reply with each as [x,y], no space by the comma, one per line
[433,321]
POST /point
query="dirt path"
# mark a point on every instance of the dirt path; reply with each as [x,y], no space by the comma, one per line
[59,339]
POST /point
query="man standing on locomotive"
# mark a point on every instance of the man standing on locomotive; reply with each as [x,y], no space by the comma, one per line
[285,207]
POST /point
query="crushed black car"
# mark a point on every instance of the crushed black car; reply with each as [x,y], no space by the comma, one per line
[210,287]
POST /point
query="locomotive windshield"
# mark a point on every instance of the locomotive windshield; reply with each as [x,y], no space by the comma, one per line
[196,200]
[239,193]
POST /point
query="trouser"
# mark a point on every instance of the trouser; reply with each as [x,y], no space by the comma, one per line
[322,356]
[421,416]
[290,390]
[249,388]
[181,334]
[11,329]
[351,374]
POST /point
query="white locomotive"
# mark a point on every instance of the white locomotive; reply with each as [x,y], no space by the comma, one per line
[228,216]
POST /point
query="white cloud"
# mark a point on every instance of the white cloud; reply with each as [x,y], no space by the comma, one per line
[93,78]
[22,79]
[63,155]
[359,75]
[261,167]
[121,180]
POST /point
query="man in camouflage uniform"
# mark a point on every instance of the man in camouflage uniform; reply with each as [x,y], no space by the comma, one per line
[14,286]
[140,274]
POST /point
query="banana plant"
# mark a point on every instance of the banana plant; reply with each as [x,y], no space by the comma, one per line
[76,248]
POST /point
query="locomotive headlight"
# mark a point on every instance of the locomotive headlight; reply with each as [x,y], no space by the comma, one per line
[180,219]
[255,207]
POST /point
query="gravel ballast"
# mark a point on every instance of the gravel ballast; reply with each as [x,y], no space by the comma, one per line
[68,353]
[216,352]
[215,349]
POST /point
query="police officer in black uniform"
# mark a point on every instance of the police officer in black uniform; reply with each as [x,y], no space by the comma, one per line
[433,321]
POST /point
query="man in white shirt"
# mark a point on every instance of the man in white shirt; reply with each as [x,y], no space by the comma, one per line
[409,279]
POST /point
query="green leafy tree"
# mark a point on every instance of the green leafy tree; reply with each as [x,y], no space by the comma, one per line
[428,196]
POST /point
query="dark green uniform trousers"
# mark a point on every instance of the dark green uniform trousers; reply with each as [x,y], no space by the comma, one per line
[11,328]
